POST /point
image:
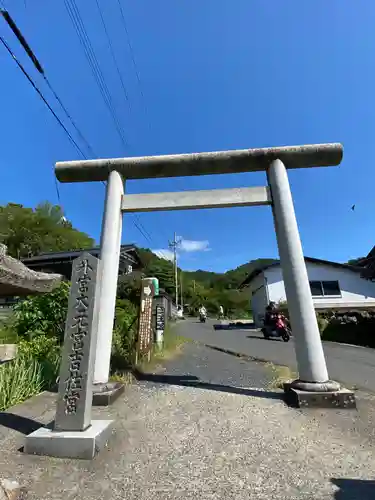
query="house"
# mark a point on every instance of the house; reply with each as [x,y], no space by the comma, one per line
[368,266]
[61,262]
[18,280]
[333,286]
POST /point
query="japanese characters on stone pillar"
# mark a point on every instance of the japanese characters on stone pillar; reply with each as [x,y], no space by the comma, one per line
[74,402]
[144,343]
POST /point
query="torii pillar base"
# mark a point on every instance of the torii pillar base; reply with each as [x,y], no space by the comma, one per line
[297,396]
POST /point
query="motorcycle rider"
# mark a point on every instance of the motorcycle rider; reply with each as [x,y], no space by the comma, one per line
[271,315]
[202,311]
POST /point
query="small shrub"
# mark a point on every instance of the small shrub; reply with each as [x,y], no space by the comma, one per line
[124,335]
[355,328]
[322,322]
[45,313]
[47,352]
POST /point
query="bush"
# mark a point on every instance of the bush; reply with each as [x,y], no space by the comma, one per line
[355,328]
[322,322]
[42,314]
[124,335]
[35,369]
[47,352]
[129,288]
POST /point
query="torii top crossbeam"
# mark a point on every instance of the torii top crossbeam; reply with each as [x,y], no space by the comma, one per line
[219,162]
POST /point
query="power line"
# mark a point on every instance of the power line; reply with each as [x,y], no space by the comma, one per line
[113,52]
[11,23]
[85,41]
[88,145]
[136,216]
[132,54]
[43,99]
[97,72]
[90,55]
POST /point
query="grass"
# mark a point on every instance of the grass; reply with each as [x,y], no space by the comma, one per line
[172,347]
[19,380]
[125,378]
[280,375]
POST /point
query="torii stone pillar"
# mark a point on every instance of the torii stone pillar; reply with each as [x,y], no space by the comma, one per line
[309,351]
[110,244]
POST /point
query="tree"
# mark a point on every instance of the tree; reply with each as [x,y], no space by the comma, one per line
[26,231]
[356,262]
[159,268]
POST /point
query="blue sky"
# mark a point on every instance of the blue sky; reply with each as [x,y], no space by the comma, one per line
[216,75]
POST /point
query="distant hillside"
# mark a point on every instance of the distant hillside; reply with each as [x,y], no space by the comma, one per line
[231,279]
[212,289]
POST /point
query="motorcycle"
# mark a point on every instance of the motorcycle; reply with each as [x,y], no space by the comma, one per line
[280,328]
[202,317]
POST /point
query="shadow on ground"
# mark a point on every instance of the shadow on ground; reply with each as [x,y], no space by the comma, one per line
[18,423]
[192,381]
[258,337]
[354,489]
[236,354]
[235,326]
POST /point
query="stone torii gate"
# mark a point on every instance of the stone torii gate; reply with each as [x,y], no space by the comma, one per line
[313,375]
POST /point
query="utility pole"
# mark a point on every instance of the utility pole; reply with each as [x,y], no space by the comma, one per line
[173,245]
[181,292]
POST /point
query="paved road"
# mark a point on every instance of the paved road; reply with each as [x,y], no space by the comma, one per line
[353,366]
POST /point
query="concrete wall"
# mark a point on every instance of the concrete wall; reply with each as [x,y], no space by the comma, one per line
[353,287]
[258,299]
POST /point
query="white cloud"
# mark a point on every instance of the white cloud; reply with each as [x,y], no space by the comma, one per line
[194,246]
[164,254]
[185,246]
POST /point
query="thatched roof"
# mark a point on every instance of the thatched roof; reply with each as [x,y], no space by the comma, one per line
[17,279]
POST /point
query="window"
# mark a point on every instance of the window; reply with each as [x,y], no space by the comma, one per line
[325,288]
[316,288]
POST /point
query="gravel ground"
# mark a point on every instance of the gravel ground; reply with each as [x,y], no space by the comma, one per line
[204,428]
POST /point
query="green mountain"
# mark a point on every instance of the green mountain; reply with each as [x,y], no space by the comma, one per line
[211,289]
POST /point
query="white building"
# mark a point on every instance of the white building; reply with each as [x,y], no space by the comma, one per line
[333,286]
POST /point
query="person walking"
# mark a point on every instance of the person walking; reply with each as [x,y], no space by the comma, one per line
[221,312]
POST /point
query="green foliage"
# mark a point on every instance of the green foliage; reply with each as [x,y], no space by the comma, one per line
[204,287]
[129,287]
[35,368]
[38,322]
[19,380]
[355,328]
[349,328]
[322,323]
[40,348]
[42,314]
[158,268]
[356,262]
[47,352]
[124,335]
[26,231]
[8,335]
